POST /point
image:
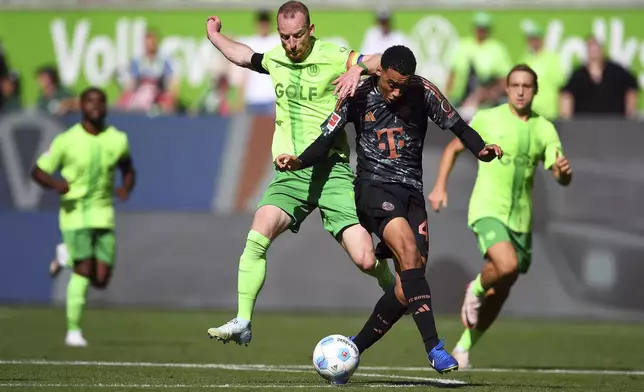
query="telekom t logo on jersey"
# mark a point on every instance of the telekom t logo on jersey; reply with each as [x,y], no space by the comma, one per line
[390,143]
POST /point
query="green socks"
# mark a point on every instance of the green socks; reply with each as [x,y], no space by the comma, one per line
[383,274]
[477,288]
[76,293]
[252,273]
[468,339]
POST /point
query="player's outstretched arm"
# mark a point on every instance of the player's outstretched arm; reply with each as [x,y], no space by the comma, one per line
[438,196]
[443,114]
[346,84]
[473,141]
[316,153]
[319,150]
[236,52]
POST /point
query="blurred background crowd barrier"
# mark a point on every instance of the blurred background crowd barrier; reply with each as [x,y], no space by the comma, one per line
[200,137]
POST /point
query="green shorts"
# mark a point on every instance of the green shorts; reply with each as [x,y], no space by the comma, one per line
[490,231]
[327,186]
[87,244]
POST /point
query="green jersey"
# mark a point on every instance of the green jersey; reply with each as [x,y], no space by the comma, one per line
[87,162]
[503,188]
[552,78]
[304,94]
[487,61]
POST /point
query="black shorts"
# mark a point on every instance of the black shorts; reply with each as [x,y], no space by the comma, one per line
[379,203]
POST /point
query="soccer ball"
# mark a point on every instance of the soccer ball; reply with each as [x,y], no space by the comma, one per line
[336,358]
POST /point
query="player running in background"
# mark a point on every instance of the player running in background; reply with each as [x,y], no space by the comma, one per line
[303,70]
[500,211]
[390,113]
[87,155]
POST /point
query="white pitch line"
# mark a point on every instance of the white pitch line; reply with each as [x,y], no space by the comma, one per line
[183,386]
[257,368]
[488,370]
[296,368]
[594,372]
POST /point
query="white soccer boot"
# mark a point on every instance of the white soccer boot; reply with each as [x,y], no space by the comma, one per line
[75,339]
[471,307]
[236,330]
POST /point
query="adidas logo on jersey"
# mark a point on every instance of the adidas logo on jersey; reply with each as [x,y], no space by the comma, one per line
[369,117]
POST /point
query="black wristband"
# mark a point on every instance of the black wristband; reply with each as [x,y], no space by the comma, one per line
[470,138]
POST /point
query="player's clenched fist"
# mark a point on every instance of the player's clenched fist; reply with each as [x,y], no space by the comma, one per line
[438,199]
[490,152]
[286,162]
[122,193]
[563,165]
[213,25]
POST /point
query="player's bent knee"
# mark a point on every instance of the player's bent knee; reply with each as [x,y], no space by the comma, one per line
[504,258]
[83,268]
[359,245]
[101,276]
[270,221]
[366,261]
[507,267]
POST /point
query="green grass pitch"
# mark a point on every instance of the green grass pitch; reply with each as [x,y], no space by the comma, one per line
[136,350]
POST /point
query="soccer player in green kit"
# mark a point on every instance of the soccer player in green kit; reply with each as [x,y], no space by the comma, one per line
[87,155]
[303,70]
[500,210]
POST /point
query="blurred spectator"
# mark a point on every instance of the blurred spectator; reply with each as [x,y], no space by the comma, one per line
[258,95]
[152,80]
[54,98]
[382,36]
[600,86]
[4,67]
[11,93]
[548,67]
[479,68]
[219,99]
